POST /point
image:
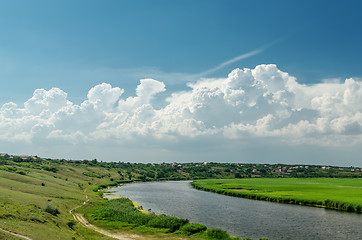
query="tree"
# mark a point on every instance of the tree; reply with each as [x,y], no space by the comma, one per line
[51,209]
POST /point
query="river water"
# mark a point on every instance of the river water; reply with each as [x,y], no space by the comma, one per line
[243,217]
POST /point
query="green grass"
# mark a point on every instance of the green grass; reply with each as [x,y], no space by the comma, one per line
[32,194]
[7,236]
[24,197]
[334,193]
[120,214]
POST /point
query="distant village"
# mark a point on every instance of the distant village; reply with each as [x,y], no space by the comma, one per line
[271,169]
[193,170]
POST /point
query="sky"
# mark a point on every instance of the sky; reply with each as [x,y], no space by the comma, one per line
[185,81]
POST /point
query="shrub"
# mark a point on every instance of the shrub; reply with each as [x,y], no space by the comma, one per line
[164,221]
[71,223]
[216,233]
[50,169]
[51,209]
[192,228]
[21,172]
[122,210]
[101,186]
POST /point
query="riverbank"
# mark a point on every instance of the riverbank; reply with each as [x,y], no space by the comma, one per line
[331,193]
[121,215]
[38,196]
[243,217]
[186,230]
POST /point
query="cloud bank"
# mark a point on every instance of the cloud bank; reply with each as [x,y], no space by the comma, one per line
[250,115]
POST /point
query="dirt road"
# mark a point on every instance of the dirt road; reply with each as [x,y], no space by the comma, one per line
[120,236]
[15,234]
[85,223]
[80,219]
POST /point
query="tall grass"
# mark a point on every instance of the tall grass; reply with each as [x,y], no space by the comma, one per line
[122,210]
[338,194]
[116,211]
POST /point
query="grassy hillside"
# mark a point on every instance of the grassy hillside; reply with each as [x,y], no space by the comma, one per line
[37,195]
[28,188]
[335,193]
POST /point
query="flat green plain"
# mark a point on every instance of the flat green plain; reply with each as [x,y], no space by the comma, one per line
[334,193]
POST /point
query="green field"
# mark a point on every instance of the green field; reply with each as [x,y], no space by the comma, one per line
[36,197]
[334,193]
[26,190]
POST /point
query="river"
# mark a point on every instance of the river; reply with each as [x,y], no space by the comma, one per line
[243,217]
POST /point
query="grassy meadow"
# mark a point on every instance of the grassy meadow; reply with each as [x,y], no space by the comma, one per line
[333,193]
[37,195]
[29,190]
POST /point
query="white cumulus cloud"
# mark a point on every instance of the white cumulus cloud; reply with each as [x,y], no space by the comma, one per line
[248,106]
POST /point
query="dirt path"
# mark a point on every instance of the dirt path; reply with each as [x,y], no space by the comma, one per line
[80,219]
[16,234]
[85,223]
[120,236]
[71,210]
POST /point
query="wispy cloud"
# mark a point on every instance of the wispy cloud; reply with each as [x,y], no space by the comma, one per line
[235,59]
[238,58]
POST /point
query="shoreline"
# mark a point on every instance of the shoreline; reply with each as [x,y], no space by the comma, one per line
[109,195]
[327,204]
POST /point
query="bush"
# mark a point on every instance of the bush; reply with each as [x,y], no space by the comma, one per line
[216,233]
[21,172]
[51,209]
[50,169]
[192,228]
[71,223]
[163,221]
[122,210]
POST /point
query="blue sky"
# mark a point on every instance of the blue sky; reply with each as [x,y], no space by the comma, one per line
[53,44]
[77,45]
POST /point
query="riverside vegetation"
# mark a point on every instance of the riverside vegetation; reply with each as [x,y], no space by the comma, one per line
[334,193]
[37,194]
[121,214]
